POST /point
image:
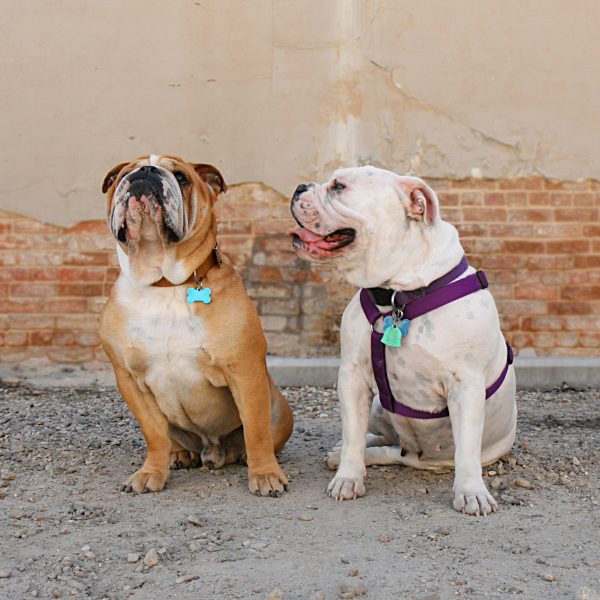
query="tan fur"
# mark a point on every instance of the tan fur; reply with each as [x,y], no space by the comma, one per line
[226,387]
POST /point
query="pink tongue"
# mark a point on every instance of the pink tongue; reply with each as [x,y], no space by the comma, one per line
[307,236]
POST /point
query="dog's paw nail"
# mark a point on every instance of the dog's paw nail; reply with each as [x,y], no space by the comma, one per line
[285,488]
[257,493]
[145,490]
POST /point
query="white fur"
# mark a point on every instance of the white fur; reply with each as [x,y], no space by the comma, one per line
[448,358]
[162,323]
[153,160]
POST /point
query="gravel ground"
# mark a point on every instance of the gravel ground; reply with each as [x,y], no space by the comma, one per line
[66,529]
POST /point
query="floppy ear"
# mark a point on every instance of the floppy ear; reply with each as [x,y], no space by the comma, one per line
[212,177]
[111,176]
[420,202]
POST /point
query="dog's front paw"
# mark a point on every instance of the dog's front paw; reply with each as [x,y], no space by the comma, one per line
[146,479]
[272,482]
[473,498]
[346,488]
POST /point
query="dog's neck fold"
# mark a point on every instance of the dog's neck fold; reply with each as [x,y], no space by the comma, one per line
[426,253]
[151,262]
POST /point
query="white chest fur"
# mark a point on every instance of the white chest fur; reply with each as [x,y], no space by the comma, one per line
[165,337]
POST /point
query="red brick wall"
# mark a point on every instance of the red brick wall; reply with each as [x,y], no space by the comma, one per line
[538,240]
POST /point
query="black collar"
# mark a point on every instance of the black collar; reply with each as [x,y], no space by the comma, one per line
[383,296]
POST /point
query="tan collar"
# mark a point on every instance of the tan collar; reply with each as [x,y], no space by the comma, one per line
[213,260]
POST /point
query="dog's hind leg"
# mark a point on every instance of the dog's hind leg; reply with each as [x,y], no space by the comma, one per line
[186,448]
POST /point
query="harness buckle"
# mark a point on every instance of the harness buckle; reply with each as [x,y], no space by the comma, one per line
[482,279]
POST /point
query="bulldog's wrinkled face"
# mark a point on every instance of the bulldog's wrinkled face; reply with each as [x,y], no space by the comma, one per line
[159,199]
[360,214]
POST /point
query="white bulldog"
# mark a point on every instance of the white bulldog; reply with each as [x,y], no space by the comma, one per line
[381,230]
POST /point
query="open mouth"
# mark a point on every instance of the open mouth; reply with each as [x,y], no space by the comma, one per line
[318,244]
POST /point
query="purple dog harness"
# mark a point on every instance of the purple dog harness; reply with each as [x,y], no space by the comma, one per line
[411,305]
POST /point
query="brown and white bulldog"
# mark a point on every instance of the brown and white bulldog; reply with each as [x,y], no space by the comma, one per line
[183,336]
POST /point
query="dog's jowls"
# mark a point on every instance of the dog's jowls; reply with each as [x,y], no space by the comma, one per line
[379,229]
[193,373]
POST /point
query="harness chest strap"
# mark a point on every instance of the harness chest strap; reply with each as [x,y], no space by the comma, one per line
[424,301]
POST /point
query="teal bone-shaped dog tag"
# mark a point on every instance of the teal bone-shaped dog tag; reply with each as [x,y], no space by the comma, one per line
[394,331]
[198,295]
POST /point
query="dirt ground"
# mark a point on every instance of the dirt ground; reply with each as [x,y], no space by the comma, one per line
[66,529]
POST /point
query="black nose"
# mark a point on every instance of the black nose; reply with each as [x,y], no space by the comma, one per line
[148,169]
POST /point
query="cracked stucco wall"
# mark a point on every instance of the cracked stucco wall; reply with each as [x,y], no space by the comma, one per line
[283,91]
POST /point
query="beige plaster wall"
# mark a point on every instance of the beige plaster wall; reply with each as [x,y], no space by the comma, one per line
[283,91]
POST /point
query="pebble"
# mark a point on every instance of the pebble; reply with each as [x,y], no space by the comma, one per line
[196,521]
[274,595]
[5,573]
[384,538]
[305,518]
[512,462]
[151,558]
[523,483]
[576,462]
[492,473]
[348,591]
[353,573]
[549,577]
[133,557]
[586,593]
[186,578]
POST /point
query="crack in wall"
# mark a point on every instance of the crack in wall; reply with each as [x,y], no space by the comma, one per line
[432,108]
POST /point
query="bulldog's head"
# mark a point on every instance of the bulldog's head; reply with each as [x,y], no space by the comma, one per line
[159,209]
[363,219]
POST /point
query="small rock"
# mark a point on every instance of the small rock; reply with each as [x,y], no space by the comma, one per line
[300,429]
[186,578]
[492,473]
[496,484]
[549,577]
[5,573]
[256,589]
[523,483]
[512,462]
[305,518]
[384,538]
[274,595]
[133,557]
[196,521]
[423,490]
[151,558]
[353,573]
[586,593]
[576,462]
[89,554]
[55,593]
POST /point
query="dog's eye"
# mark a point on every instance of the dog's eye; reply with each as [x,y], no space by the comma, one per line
[181,178]
[338,186]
